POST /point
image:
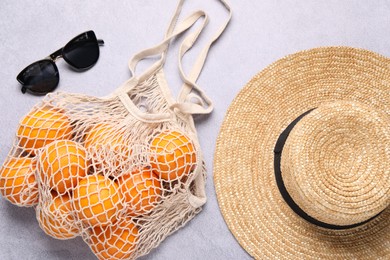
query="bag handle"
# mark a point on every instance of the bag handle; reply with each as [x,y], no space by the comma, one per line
[197,102]
[162,48]
[192,99]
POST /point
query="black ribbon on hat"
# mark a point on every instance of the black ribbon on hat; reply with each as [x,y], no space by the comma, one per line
[282,189]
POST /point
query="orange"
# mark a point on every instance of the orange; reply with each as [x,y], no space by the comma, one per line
[41,127]
[142,190]
[97,200]
[18,183]
[116,241]
[62,164]
[103,134]
[105,137]
[173,155]
[57,219]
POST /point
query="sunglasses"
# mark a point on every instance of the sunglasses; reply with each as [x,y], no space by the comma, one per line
[42,77]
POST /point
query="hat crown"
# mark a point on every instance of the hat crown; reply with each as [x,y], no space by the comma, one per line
[335,163]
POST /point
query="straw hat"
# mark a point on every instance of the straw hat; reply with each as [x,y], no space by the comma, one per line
[302,163]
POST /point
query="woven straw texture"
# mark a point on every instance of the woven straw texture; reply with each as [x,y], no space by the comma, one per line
[350,89]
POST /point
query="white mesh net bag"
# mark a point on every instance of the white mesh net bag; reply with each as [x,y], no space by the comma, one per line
[122,171]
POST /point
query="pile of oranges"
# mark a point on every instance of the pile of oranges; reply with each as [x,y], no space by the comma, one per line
[66,178]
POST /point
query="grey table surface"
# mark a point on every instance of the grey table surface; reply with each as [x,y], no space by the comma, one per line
[260,33]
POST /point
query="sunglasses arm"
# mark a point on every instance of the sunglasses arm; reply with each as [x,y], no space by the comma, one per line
[100,42]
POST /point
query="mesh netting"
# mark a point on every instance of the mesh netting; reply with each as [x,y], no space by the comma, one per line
[93,168]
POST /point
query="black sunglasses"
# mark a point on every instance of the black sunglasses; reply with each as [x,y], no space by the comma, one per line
[42,77]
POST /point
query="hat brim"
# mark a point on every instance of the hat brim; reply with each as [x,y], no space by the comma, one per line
[247,193]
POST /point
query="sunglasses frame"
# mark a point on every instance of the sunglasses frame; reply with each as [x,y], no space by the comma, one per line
[52,59]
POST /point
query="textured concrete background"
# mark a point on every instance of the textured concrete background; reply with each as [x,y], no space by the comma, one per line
[260,33]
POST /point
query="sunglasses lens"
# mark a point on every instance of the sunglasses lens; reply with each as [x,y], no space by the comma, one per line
[83,51]
[40,77]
